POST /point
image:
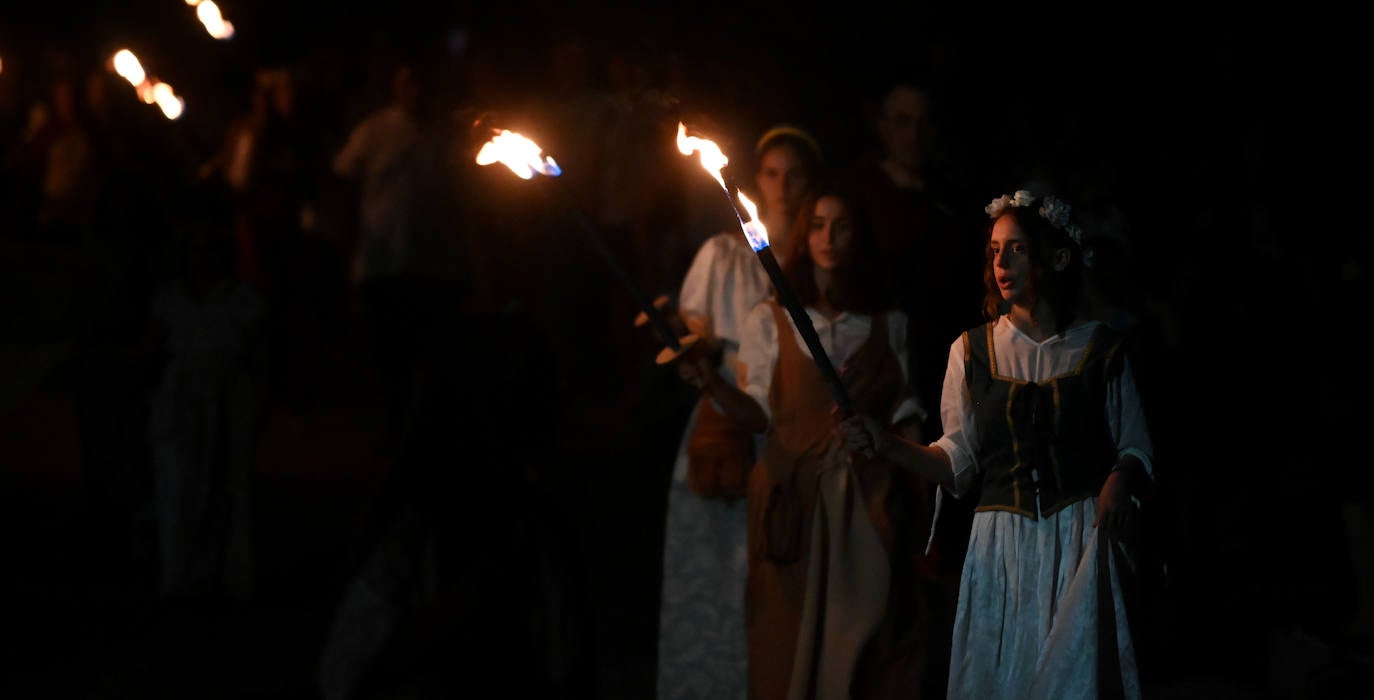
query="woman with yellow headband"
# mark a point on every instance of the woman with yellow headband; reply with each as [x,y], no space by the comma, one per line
[702,647]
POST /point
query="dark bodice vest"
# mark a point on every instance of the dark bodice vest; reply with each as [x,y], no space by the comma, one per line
[1049,438]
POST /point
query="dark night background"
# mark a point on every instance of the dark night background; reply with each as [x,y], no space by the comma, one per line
[535,468]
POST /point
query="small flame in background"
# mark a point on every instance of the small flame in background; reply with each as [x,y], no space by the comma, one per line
[713,161]
[524,157]
[209,15]
[151,91]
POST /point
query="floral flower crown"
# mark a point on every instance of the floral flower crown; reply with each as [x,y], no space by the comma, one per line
[1053,209]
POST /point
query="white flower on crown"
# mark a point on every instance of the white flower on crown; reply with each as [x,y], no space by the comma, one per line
[999,205]
[1075,233]
[1056,211]
[1052,209]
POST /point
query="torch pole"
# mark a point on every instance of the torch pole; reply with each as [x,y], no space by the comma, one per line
[797,311]
[653,313]
[807,329]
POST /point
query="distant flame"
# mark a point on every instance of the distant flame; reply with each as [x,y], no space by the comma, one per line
[524,157]
[714,161]
[167,101]
[127,66]
[149,90]
[209,15]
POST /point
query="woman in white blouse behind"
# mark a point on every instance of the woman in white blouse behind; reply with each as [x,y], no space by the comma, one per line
[1043,422]
[701,641]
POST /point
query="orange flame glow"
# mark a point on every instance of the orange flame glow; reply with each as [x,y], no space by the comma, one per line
[524,157]
[713,161]
[149,90]
[167,101]
[209,15]
[127,66]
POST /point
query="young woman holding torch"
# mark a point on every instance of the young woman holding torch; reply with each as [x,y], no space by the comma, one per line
[1042,420]
[835,607]
[701,641]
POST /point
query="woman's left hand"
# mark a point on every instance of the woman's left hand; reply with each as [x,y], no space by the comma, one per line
[1115,510]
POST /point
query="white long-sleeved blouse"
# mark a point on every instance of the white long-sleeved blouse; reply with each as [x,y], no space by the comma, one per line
[1021,357]
[840,338]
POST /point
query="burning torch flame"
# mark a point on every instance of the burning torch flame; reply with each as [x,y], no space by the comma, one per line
[127,66]
[150,91]
[167,101]
[713,161]
[754,230]
[523,156]
[209,15]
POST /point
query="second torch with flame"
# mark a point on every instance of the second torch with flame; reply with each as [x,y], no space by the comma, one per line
[526,159]
[714,161]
